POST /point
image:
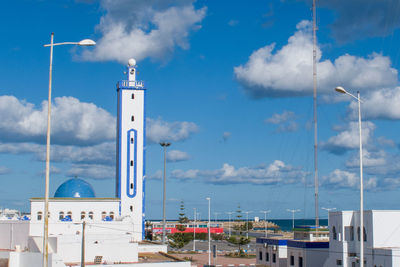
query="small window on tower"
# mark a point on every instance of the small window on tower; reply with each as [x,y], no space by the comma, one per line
[131,140]
[133,96]
[131,186]
[39,216]
[133,118]
[131,208]
[131,162]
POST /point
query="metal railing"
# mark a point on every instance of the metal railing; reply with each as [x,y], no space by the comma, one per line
[130,84]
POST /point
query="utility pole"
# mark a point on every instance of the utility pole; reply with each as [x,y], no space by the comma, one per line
[164,145]
[83,244]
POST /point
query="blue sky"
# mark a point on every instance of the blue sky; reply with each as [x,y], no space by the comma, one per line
[229,84]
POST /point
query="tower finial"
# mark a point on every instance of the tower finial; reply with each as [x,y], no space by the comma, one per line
[131,62]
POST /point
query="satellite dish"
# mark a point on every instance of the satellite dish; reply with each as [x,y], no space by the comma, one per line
[131,62]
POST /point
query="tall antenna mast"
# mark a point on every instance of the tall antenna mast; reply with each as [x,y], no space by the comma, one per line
[315,112]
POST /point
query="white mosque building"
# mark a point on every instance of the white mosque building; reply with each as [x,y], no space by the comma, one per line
[114,227]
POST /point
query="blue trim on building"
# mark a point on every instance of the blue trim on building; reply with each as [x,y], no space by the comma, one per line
[307,244]
[119,143]
[128,185]
[144,166]
[270,241]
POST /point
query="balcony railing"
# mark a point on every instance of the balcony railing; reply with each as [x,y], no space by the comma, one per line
[130,84]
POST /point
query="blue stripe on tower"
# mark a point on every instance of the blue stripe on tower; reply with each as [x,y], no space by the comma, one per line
[129,136]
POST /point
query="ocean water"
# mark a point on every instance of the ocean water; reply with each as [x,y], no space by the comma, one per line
[286,224]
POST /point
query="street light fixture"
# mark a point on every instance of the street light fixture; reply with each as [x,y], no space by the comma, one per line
[293,212]
[247,223]
[194,230]
[85,42]
[265,220]
[164,145]
[343,91]
[209,231]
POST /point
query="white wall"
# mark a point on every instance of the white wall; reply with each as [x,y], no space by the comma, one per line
[14,233]
[29,259]
[113,248]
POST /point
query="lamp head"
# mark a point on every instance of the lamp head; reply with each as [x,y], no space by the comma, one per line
[341,90]
[87,42]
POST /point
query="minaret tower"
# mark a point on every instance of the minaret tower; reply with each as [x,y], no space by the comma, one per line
[131,149]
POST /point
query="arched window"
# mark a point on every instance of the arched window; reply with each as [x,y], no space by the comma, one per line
[83,215]
[112,215]
[61,215]
[103,215]
[69,214]
[39,216]
[91,215]
[358,233]
[365,235]
[334,234]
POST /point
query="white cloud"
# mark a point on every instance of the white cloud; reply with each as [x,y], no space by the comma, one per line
[339,179]
[73,122]
[363,18]
[286,121]
[159,130]
[141,29]
[378,104]
[276,172]
[92,171]
[4,170]
[158,175]
[288,71]
[176,155]
[280,118]
[349,138]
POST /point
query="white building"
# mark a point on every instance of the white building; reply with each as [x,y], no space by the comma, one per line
[112,228]
[381,237]
[308,248]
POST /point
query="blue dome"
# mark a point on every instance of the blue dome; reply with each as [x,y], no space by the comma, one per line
[75,188]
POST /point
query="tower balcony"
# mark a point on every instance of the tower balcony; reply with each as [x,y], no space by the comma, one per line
[126,84]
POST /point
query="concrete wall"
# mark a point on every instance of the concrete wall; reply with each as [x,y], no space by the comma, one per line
[14,233]
[386,230]
[152,248]
[29,259]
[112,248]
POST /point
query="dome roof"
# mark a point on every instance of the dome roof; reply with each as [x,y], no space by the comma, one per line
[75,188]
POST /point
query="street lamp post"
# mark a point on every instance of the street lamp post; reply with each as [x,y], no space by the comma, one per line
[247,223]
[194,230]
[343,91]
[164,145]
[292,211]
[265,220]
[229,225]
[85,42]
[209,231]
